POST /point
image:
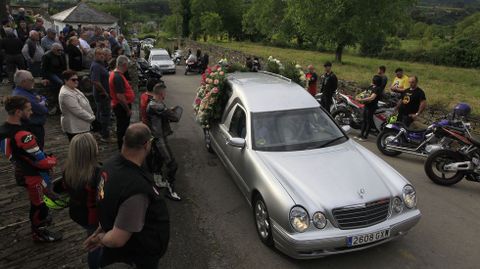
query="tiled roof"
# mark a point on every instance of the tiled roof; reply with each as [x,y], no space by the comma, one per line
[82,13]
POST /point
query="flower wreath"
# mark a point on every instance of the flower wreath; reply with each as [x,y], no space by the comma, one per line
[208,105]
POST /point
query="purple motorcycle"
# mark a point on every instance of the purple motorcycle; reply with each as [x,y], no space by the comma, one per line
[396,138]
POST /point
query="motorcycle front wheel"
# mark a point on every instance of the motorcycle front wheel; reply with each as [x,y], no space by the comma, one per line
[434,167]
[387,136]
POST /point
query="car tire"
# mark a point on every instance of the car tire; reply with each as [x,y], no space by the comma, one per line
[440,158]
[381,141]
[262,221]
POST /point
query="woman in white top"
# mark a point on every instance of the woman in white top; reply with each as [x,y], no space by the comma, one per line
[77,114]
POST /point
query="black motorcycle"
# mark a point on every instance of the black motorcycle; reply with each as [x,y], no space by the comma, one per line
[447,167]
[147,72]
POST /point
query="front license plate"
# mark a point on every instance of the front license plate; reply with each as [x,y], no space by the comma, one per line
[367,238]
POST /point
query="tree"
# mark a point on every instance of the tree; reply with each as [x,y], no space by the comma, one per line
[182,9]
[264,17]
[211,24]
[172,25]
[198,8]
[231,12]
[343,23]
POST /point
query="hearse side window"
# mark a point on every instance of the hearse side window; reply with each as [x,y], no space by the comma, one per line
[238,124]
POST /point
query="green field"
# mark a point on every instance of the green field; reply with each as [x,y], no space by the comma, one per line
[443,85]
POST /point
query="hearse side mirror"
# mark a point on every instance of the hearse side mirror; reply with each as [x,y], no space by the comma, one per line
[237,142]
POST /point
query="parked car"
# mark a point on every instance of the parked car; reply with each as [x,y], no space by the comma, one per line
[314,192]
[161,59]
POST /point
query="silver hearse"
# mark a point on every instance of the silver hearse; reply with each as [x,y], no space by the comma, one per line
[314,192]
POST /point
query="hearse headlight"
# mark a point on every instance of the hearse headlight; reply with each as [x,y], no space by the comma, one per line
[409,196]
[397,205]
[319,220]
[299,219]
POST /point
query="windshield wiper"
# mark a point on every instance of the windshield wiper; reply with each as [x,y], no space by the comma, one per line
[330,142]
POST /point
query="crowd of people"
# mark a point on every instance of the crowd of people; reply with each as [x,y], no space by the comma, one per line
[118,201]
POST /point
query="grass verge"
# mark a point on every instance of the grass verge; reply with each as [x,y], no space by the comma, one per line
[442,84]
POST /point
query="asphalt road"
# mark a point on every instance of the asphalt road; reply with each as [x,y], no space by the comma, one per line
[213,226]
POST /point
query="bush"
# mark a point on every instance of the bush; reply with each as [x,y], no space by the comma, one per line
[292,72]
[273,65]
[236,67]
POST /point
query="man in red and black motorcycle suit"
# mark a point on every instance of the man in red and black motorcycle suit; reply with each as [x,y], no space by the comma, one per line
[19,145]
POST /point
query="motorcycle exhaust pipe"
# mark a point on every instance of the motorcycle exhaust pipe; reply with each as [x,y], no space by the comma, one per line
[460,166]
[406,150]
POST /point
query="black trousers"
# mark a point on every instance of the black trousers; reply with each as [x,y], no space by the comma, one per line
[326,102]
[123,121]
[165,157]
[367,122]
[14,62]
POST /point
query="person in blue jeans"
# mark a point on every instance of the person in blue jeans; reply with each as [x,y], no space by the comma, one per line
[99,77]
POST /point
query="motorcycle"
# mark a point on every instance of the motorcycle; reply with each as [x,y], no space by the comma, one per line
[178,57]
[447,167]
[346,110]
[194,67]
[396,138]
[337,100]
[146,72]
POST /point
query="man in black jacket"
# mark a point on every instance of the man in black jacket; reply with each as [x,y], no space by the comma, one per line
[329,86]
[53,65]
[13,53]
[132,213]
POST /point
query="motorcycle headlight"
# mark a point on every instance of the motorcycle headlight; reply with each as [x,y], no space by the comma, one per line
[397,205]
[409,196]
[319,220]
[299,219]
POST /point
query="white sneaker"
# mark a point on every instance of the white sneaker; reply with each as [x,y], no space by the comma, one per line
[171,194]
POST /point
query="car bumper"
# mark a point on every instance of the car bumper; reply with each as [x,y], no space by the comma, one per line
[168,70]
[308,245]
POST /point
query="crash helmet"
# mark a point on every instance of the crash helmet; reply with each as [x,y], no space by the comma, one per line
[462,110]
[57,204]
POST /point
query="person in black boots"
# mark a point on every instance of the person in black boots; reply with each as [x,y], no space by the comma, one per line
[22,149]
[329,86]
[371,103]
[159,117]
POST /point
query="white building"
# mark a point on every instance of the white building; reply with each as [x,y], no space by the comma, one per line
[84,15]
